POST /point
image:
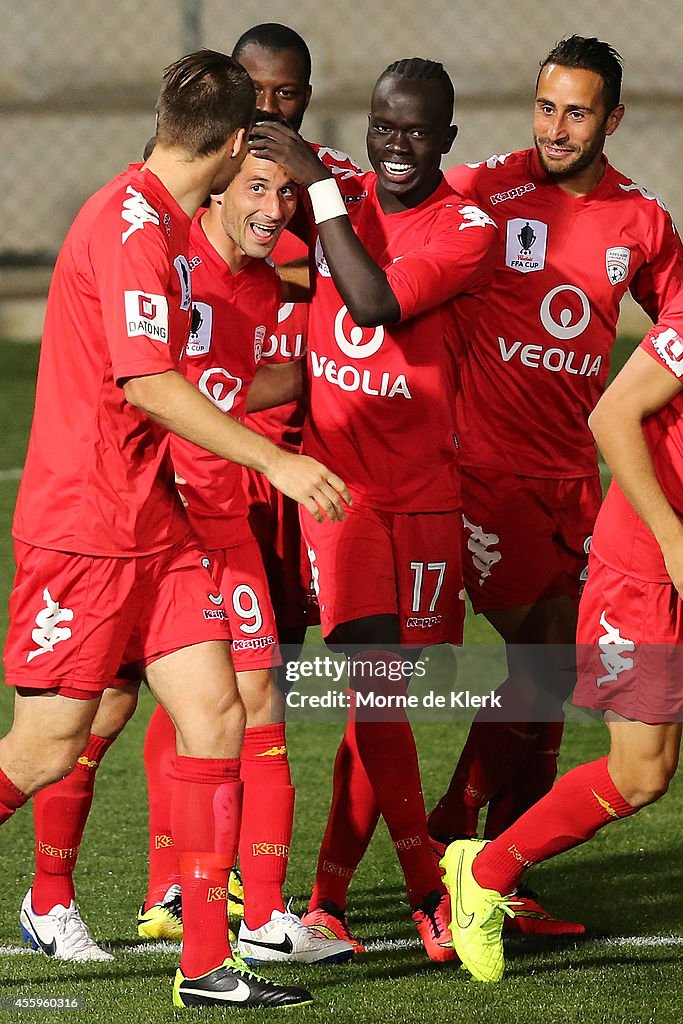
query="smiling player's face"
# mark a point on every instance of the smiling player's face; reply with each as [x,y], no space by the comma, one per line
[257,206]
[408,132]
[571,123]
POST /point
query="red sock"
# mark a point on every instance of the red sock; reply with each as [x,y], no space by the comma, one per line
[351,823]
[60,813]
[159,755]
[205,819]
[267,820]
[532,780]
[580,803]
[11,798]
[490,756]
[386,747]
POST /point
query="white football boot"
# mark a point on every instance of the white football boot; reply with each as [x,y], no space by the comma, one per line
[286,939]
[62,933]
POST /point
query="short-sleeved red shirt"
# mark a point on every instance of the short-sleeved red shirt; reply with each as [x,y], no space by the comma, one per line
[97,478]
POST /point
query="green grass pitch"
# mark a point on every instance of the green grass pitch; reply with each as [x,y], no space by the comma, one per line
[625,885]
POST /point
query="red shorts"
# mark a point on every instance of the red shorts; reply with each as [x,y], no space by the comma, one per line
[74,619]
[274,520]
[241,579]
[390,563]
[630,653]
[525,538]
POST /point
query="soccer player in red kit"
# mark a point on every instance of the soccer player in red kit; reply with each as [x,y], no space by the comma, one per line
[107,569]
[577,235]
[399,281]
[236,298]
[279,64]
[630,632]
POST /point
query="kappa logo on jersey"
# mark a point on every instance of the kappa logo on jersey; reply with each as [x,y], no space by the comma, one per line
[512,193]
[617,261]
[497,160]
[354,341]
[526,245]
[645,193]
[669,347]
[320,261]
[336,160]
[201,328]
[473,217]
[137,212]
[259,338]
[49,630]
[611,645]
[183,269]
[479,544]
[220,387]
[146,314]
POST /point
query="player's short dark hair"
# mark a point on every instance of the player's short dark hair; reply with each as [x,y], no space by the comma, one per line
[205,98]
[273,36]
[590,54]
[418,68]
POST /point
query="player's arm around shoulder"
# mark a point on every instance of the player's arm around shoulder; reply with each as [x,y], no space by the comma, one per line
[650,380]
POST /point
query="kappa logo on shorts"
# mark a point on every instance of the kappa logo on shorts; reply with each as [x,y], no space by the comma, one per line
[48,631]
[611,645]
[479,543]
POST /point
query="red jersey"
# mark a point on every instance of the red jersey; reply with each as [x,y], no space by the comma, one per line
[232,319]
[621,539]
[97,478]
[539,358]
[282,424]
[381,399]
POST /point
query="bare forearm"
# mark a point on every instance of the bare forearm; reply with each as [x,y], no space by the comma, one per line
[275,385]
[362,284]
[625,451]
[170,399]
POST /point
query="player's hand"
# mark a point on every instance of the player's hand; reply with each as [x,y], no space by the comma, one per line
[179,482]
[310,483]
[271,140]
[673,560]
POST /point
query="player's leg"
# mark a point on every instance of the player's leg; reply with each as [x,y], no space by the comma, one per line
[196,686]
[268,931]
[60,813]
[516,575]
[629,635]
[48,734]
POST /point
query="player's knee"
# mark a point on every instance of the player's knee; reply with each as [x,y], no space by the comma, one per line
[115,711]
[644,783]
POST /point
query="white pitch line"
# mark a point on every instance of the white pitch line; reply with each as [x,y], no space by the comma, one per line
[10,474]
[377,946]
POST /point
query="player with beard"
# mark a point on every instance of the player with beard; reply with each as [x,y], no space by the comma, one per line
[399,282]
[577,236]
[278,62]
